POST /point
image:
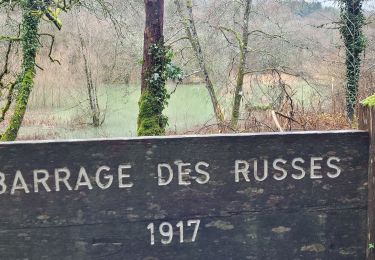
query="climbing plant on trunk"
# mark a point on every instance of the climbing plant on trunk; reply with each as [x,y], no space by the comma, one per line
[352,21]
[156,70]
[30,44]
[151,120]
[32,14]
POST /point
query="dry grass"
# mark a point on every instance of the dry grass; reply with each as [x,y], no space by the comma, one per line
[325,121]
[263,122]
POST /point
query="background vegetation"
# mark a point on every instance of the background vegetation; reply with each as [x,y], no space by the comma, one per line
[294,71]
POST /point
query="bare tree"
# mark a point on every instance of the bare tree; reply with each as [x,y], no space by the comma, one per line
[91,86]
[243,46]
[187,19]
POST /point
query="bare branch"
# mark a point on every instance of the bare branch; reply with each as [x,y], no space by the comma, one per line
[9,101]
[51,47]
[9,38]
[274,117]
[6,63]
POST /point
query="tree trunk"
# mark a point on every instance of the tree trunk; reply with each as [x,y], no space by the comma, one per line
[29,38]
[352,20]
[151,120]
[153,34]
[366,121]
[192,35]
[91,87]
[241,68]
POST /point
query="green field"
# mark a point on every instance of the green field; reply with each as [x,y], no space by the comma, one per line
[63,114]
[68,118]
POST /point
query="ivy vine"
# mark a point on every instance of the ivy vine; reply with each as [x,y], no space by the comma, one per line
[352,22]
[151,120]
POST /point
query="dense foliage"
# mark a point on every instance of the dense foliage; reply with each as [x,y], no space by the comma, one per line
[352,21]
[151,120]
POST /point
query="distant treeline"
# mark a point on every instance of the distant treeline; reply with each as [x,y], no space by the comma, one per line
[303,8]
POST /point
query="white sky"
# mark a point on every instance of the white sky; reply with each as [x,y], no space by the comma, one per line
[369,4]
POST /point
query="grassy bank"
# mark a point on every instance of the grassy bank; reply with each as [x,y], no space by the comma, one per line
[63,113]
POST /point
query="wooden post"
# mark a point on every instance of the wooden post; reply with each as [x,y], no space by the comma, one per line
[366,115]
